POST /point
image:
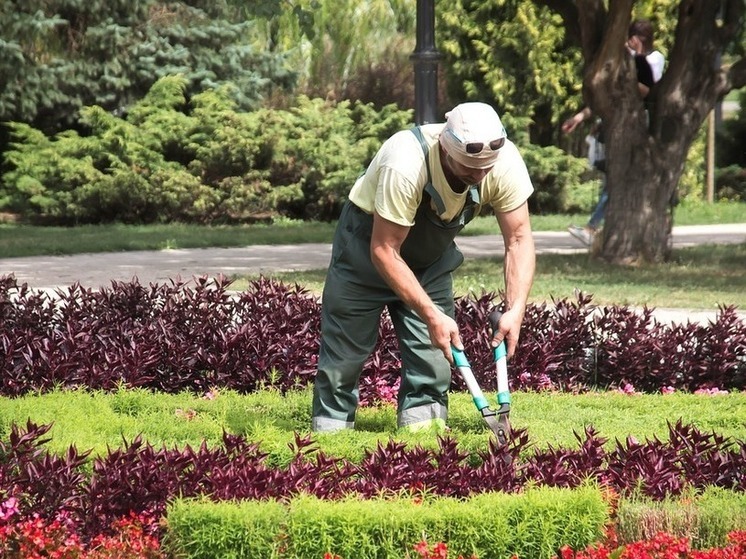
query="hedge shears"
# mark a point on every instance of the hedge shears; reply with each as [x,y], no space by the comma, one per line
[497,420]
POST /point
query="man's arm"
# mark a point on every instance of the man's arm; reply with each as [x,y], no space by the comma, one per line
[520,263]
[385,244]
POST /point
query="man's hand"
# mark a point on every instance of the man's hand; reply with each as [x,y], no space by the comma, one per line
[509,330]
[444,333]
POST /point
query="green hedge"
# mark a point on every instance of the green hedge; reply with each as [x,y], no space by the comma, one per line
[706,519]
[246,529]
[532,524]
[198,159]
[171,158]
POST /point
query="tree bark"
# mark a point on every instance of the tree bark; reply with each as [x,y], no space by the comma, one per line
[647,142]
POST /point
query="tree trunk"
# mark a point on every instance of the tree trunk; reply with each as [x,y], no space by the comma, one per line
[638,220]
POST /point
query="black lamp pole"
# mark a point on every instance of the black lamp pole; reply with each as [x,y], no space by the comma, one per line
[425,59]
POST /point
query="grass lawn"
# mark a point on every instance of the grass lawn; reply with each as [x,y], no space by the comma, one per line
[93,421]
[25,240]
[701,277]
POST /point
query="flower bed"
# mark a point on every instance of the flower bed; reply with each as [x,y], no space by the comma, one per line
[174,337]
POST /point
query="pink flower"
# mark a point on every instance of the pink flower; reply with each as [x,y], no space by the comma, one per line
[710,391]
[668,390]
[8,508]
[626,388]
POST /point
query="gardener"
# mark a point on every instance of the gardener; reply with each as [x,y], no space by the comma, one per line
[394,248]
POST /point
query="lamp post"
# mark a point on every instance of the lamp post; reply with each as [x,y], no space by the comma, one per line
[425,59]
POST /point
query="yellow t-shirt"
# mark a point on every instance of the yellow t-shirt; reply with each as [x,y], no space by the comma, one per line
[394,181]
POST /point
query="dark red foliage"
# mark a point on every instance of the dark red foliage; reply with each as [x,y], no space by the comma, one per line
[43,482]
[557,347]
[200,335]
[562,467]
[633,348]
[689,459]
[138,478]
[168,337]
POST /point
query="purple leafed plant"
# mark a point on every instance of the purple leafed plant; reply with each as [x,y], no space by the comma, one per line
[142,479]
[199,335]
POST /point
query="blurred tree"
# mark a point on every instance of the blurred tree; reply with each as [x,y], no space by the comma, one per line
[647,149]
[510,54]
[57,56]
[335,44]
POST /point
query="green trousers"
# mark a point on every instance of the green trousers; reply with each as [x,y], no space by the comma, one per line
[354,297]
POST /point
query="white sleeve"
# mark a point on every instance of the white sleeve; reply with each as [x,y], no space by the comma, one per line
[657,62]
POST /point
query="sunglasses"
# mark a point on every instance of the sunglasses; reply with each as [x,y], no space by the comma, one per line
[473,148]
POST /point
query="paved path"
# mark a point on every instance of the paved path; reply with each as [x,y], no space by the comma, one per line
[98,270]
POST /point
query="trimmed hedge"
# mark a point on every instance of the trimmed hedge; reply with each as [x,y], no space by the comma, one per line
[533,524]
[705,518]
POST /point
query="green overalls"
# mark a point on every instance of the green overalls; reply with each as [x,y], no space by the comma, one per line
[354,298]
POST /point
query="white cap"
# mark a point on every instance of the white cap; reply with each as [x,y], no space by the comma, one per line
[468,123]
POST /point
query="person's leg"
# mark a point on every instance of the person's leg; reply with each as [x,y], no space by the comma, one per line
[349,329]
[598,213]
[353,299]
[426,374]
[585,233]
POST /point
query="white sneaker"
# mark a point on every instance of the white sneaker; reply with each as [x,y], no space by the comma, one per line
[581,234]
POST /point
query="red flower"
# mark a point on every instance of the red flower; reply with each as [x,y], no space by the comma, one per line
[422,549]
[440,551]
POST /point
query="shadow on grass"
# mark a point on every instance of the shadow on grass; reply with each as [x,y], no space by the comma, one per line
[698,277]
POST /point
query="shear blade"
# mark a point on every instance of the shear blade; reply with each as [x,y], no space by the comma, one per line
[499,426]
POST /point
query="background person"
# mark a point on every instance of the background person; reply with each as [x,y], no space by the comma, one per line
[394,249]
[649,65]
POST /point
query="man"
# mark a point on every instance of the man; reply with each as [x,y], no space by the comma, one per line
[641,42]
[394,248]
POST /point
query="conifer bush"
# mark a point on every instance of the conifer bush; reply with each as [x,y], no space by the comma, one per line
[199,159]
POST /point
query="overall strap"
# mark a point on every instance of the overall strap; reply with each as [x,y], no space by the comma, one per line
[429,188]
[474,194]
[472,203]
[425,149]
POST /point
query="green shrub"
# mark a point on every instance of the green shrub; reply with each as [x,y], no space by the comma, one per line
[202,529]
[554,173]
[200,160]
[195,160]
[532,524]
[706,519]
[730,183]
